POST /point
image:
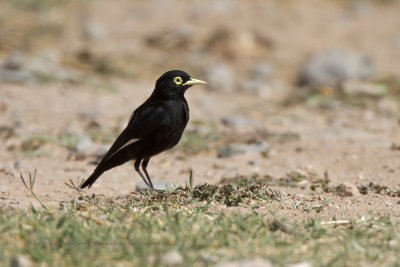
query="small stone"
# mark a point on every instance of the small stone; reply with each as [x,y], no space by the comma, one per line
[20,260]
[102,151]
[220,77]
[207,256]
[92,30]
[13,69]
[4,188]
[172,258]
[364,88]
[180,37]
[262,71]
[14,201]
[250,85]
[300,264]
[237,120]
[18,164]
[43,66]
[347,189]
[84,146]
[388,105]
[14,61]
[234,149]
[89,115]
[333,67]
[246,263]
[158,185]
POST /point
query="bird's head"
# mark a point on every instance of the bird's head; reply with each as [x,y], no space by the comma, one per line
[175,83]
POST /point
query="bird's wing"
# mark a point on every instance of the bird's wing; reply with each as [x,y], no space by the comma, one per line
[144,121]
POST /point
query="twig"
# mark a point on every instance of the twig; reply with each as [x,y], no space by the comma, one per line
[72,185]
[340,222]
[32,180]
[93,218]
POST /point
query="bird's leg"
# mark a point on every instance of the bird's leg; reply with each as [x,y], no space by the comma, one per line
[137,164]
[144,168]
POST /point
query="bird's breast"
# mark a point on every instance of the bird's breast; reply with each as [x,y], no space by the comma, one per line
[176,119]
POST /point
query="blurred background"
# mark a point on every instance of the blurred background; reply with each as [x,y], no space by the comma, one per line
[286,79]
[45,40]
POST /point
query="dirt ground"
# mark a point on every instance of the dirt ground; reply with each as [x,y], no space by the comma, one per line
[352,144]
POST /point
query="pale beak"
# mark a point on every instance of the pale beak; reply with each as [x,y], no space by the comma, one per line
[194,81]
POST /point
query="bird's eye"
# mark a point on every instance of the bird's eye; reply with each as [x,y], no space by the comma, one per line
[178,80]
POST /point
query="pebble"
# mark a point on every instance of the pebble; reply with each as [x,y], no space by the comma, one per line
[332,67]
[220,77]
[234,149]
[171,258]
[18,164]
[14,61]
[84,146]
[158,185]
[347,189]
[180,37]
[262,71]
[92,30]
[246,263]
[4,188]
[20,260]
[101,151]
[14,201]
[250,85]
[12,69]
[237,120]
[42,66]
[388,105]
[300,264]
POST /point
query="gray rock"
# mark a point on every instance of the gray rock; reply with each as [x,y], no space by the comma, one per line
[89,115]
[234,149]
[347,189]
[220,77]
[300,264]
[101,151]
[247,263]
[84,146]
[250,85]
[92,30]
[12,69]
[45,66]
[20,260]
[158,185]
[334,66]
[4,188]
[388,105]
[18,164]
[361,8]
[262,71]
[14,201]
[171,258]
[14,61]
[42,67]
[180,37]
[237,120]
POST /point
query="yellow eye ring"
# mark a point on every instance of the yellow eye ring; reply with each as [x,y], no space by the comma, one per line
[178,80]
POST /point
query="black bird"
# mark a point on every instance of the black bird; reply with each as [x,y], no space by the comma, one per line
[155,126]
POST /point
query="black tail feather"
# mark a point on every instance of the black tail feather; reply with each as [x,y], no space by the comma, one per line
[105,164]
[92,178]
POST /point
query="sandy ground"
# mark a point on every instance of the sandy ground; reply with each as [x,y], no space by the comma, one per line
[351,144]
